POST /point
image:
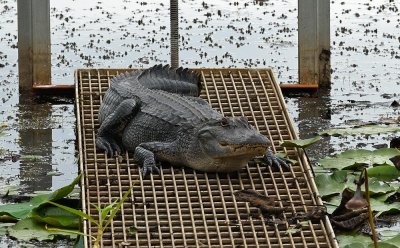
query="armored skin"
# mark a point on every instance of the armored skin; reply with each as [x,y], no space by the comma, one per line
[157,115]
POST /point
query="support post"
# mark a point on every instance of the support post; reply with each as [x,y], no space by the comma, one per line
[314,42]
[34,54]
[174,18]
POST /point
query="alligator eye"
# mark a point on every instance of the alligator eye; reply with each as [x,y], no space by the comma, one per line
[224,122]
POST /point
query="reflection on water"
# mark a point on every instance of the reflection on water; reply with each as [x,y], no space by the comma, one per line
[35,140]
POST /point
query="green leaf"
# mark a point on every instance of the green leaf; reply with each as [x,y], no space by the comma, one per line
[68,231]
[377,187]
[56,217]
[384,172]
[367,129]
[284,155]
[378,204]
[106,210]
[23,210]
[28,229]
[117,207]
[354,158]
[392,241]
[363,241]
[60,193]
[76,212]
[300,143]
[349,241]
[79,243]
[332,203]
[331,184]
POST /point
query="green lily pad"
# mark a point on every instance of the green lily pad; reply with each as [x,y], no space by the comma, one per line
[352,159]
[300,143]
[350,241]
[377,187]
[56,216]
[363,241]
[334,184]
[332,203]
[379,204]
[384,172]
[23,210]
[367,129]
[331,184]
[395,241]
[2,133]
[28,229]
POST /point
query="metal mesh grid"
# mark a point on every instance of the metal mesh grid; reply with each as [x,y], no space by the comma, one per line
[186,208]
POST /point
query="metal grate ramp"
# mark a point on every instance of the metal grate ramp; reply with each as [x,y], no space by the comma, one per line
[186,208]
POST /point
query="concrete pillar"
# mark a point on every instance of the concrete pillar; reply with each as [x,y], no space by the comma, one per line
[174,18]
[314,42]
[34,54]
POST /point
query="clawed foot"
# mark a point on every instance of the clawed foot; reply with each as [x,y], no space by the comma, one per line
[149,168]
[272,160]
[110,145]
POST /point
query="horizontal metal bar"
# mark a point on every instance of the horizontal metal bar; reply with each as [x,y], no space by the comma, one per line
[55,89]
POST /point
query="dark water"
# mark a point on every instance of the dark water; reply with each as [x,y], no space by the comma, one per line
[365,62]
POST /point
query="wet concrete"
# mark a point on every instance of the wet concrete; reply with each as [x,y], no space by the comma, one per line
[221,33]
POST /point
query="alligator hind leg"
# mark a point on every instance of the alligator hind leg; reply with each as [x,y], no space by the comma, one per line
[106,138]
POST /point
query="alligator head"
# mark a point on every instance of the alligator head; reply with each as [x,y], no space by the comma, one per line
[228,144]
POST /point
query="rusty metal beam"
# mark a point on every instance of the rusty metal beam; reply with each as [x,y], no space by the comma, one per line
[67,90]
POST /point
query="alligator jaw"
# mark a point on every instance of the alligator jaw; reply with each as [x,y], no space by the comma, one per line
[239,150]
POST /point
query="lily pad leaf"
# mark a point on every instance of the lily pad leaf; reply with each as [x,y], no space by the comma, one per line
[333,184]
[300,143]
[350,241]
[366,129]
[56,216]
[332,203]
[23,210]
[28,229]
[395,241]
[382,207]
[384,172]
[363,241]
[352,159]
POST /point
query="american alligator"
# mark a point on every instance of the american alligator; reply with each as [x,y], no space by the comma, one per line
[157,115]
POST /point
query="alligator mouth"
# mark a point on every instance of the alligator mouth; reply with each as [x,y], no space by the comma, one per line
[236,150]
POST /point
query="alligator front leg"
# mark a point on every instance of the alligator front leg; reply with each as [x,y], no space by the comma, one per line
[106,138]
[272,160]
[147,153]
